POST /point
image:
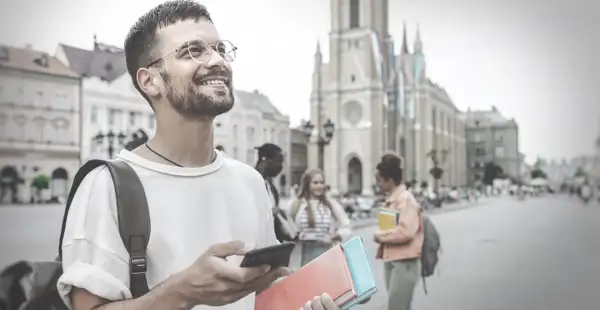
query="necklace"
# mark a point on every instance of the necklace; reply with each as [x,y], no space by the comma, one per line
[161,156]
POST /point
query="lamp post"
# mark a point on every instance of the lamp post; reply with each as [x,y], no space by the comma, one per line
[110,140]
[438,158]
[324,136]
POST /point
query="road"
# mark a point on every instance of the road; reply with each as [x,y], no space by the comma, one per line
[541,253]
[538,254]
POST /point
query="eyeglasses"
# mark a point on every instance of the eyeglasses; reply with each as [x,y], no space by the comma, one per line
[201,52]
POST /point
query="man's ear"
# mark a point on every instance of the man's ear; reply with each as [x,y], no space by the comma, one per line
[149,81]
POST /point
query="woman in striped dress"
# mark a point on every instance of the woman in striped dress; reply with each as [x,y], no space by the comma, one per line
[320,220]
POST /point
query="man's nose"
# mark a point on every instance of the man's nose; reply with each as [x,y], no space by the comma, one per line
[216,60]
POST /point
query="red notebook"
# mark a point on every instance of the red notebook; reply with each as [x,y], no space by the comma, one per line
[327,273]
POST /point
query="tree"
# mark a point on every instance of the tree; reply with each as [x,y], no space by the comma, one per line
[491,171]
[580,172]
[538,173]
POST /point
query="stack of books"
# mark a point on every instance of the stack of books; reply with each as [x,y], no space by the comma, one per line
[344,272]
[388,219]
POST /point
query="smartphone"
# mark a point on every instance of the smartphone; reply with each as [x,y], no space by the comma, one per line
[274,256]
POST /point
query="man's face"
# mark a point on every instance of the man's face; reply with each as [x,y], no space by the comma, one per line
[275,165]
[195,90]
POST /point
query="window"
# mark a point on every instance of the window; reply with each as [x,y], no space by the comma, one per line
[498,136]
[39,99]
[132,119]
[21,96]
[61,101]
[94,115]
[480,151]
[234,134]
[354,13]
[499,151]
[151,121]
[477,137]
[111,116]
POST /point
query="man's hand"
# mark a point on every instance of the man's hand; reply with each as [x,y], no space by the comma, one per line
[214,281]
[323,302]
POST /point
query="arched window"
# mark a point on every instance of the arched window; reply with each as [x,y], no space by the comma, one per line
[354,13]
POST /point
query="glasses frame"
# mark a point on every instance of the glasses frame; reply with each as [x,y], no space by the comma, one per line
[211,49]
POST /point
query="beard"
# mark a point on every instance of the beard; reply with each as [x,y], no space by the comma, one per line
[196,101]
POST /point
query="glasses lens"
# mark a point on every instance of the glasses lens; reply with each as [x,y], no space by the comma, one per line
[227,50]
[199,51]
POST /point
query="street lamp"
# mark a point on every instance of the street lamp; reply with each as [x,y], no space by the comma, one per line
[324,137]
[438,158]
[110,139]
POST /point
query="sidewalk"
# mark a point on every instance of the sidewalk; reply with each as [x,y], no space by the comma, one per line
[365,222]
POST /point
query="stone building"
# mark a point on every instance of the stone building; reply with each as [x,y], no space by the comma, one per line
[379,101]
[39,126]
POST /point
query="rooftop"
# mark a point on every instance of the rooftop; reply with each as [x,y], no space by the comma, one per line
[103,61]
[27,59]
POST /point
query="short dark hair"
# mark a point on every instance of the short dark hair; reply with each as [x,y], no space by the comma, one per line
[390,167]
[268,150]
[140,42]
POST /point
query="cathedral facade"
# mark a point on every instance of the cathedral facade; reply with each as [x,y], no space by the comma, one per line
[380,101]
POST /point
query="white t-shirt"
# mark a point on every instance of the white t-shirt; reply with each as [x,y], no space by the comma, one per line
[190,210]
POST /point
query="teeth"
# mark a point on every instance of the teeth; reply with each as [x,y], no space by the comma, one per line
[213,82]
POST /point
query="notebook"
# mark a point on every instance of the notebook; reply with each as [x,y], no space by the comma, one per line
[360,267]
[388,219]
[327,273]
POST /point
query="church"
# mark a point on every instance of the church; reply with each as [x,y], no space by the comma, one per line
[380,101]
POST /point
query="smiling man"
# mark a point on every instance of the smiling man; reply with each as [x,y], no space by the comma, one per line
[181,66]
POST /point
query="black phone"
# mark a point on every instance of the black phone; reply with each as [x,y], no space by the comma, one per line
[275,256]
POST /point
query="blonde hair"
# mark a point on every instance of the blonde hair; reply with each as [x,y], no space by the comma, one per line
[304,194]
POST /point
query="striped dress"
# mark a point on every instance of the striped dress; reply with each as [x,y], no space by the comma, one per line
[324,222]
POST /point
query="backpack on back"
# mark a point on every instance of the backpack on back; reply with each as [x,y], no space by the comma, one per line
[430,250]
[32,285]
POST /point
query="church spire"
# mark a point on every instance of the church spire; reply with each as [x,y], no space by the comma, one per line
[404,40]
[318,57]
[418,42]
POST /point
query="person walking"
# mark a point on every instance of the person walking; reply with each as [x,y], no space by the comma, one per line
[399,248]
[321,221]
[270,165]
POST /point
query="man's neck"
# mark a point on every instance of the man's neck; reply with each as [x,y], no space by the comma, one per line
[187,143]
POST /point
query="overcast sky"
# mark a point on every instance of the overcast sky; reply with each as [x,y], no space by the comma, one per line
[531,59]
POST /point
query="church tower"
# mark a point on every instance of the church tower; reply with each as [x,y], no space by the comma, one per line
[350,91]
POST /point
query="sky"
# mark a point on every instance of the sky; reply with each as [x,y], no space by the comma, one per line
[532,59]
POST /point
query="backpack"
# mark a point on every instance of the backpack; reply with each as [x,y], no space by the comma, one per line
[28,285]
[430,250]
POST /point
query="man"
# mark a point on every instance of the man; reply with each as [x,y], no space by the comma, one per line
[399,248]
[180,65]
[269,165]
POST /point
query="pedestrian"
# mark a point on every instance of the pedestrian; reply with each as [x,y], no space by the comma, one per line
[205,208]
[321,221]
[270,165]
[399,248]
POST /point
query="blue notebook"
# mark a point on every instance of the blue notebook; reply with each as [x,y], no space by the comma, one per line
[361,271]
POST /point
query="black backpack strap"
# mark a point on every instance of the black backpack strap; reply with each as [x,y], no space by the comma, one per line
[134,222]
[133,217]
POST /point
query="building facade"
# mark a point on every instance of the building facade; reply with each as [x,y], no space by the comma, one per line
[379,101]
[39,126]
[491,137]
[110,102]
[252,121]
